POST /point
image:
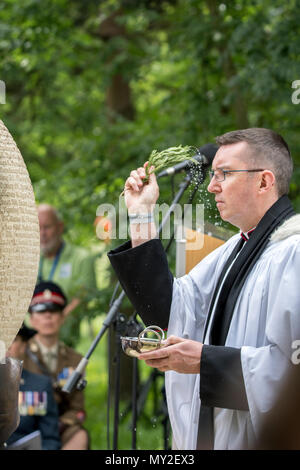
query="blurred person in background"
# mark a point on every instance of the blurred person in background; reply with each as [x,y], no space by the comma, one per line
[37,407]
[46,354]
[69,266]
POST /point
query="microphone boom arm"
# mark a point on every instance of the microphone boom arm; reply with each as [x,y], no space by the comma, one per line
[78,373]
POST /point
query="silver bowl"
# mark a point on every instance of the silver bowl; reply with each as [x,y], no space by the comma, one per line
[135,346]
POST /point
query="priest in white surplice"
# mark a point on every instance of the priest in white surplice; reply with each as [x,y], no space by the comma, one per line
[234,319]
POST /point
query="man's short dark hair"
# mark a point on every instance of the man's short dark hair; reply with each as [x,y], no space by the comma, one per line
[269,150]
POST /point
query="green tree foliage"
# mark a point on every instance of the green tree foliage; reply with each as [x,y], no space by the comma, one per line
[190,70]
[92,87]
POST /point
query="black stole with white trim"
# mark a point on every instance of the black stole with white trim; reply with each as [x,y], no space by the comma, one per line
[230,290]
[278,213]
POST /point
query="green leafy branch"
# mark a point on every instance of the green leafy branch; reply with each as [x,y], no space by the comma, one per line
[169,157]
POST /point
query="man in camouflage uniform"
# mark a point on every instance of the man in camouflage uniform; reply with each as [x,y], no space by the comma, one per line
[47,355]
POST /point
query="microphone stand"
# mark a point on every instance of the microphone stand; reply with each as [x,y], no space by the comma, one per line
[77,375]
[76,378]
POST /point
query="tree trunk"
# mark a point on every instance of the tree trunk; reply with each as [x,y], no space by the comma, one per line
[118,95]
[229,69]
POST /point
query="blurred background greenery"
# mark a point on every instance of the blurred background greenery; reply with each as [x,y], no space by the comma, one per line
[92,87]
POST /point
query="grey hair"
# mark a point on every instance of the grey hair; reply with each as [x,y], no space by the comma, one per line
[49,208]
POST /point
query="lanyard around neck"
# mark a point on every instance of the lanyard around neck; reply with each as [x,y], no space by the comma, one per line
[54,264]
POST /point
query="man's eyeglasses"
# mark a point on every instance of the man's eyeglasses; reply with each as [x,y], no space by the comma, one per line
[220,174]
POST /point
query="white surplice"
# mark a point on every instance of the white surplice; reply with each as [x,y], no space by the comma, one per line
[265,323]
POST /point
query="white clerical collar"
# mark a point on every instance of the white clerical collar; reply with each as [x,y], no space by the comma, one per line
[246,235]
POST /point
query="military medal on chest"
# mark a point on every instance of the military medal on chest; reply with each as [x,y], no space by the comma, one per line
[32,403]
